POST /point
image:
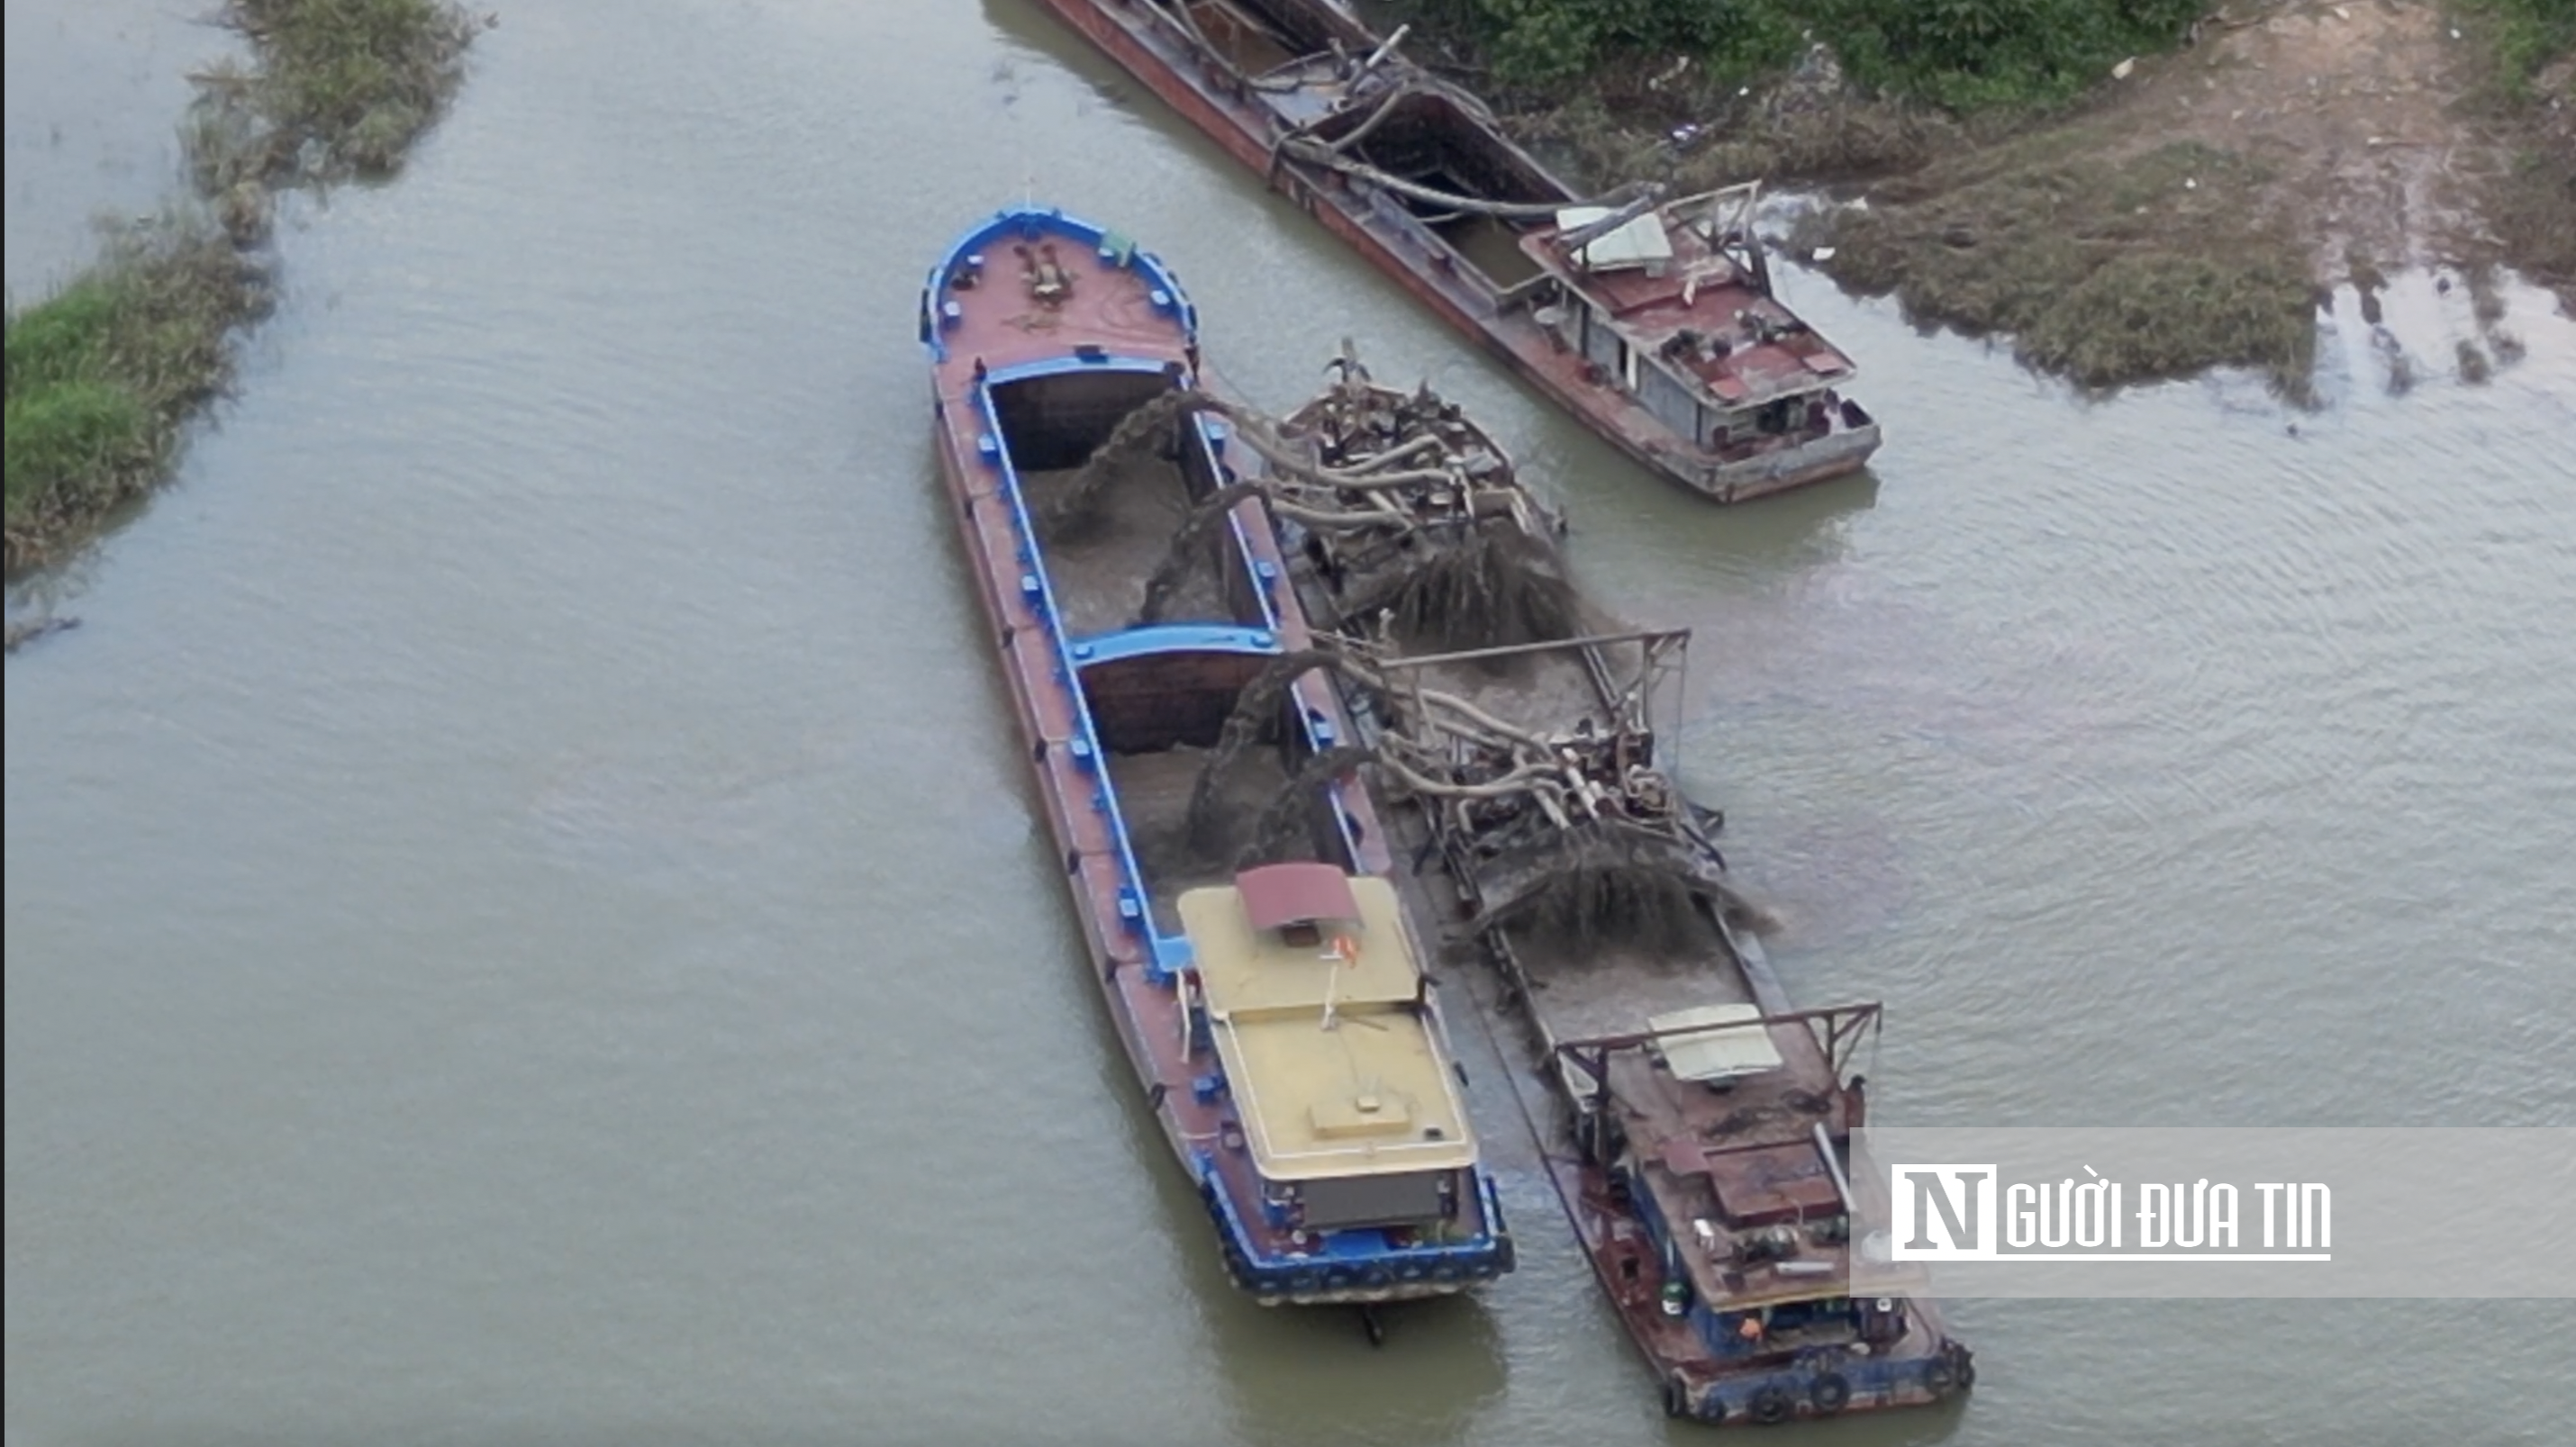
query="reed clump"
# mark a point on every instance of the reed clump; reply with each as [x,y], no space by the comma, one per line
[337,88]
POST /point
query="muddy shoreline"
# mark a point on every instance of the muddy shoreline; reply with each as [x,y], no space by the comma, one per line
[2193,209]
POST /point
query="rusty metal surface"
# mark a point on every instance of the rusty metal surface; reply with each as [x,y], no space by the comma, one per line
[1740,1163]
[1275,895]
[1249,121]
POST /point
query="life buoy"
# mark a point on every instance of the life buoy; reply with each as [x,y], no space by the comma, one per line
[1771,1407]
[1830,1393]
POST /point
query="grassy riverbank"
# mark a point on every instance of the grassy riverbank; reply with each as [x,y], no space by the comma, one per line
[103,375]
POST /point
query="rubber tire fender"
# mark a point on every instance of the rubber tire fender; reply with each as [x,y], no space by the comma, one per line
[1939,1376]
[1771,1407]
[1677,1397]
[1830,1393]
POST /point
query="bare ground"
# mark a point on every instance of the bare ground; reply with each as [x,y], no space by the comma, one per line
[2188,214]
[2353,110]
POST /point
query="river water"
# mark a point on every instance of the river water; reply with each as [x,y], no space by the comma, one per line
[525,921]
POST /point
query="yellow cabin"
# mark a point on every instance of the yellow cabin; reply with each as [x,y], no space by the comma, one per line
[1318,1010]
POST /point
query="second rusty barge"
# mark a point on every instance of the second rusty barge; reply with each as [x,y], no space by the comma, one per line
[1709,1120]
[1654,321]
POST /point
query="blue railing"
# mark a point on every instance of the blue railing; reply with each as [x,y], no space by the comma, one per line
[1267,580]
[938,311]
[1338,1258]
[1134,905]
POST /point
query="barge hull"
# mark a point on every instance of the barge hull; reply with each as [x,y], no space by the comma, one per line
[1123,32]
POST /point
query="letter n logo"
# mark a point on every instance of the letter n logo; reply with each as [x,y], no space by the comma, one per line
[1943,1213]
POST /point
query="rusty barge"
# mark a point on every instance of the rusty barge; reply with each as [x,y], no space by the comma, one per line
[1654,321]
[1230,881]
[1703,1121]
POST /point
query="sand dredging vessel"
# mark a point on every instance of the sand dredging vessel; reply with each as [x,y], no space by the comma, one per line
[1230,879]
[1702,1121]
[1653,320]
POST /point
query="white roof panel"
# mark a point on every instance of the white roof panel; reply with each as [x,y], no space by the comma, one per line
[1735,1045]
[1641,242]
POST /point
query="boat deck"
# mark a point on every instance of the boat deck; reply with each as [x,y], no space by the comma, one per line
[1328,1054]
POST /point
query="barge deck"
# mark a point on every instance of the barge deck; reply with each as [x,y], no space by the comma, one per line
[1229,881]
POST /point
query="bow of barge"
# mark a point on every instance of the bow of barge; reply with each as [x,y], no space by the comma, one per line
[1260,976]
[1655,323]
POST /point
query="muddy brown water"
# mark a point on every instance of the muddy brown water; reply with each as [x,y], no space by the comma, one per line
[525,921]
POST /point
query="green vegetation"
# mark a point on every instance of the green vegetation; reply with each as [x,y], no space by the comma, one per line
[102,376]
[1963,54]
[2106,272]
[2526,35]
[2530,88]
[340,88]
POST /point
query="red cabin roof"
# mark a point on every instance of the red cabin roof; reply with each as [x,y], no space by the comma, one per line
[1277,895]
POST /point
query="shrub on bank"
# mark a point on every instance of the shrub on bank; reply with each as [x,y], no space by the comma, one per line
[1965,54]
[2526,35]
[342,87]
[2103,271]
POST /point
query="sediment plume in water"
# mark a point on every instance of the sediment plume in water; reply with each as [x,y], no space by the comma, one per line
[1499,586]
[1285,828]
[1254,709]
[1144,432]
[1599,892]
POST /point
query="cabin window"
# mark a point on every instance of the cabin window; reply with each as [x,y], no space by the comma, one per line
[1304,935]
[1346,1201]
